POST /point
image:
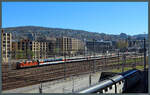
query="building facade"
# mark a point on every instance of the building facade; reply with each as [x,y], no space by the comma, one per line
[98,46]
[26,49]
[44,50]
[77,46]
[69,46]
[6,39]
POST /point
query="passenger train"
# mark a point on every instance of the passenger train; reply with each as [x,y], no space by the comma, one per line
[42,62]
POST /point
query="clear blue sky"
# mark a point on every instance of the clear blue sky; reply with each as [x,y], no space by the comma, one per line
[103,17]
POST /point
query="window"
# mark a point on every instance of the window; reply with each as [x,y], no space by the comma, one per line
[110,87]
[119,82]
[106,89]
[101,91]
[8,39]
[120,91]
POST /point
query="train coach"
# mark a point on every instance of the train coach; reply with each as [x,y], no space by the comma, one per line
[117,84]
[50,61]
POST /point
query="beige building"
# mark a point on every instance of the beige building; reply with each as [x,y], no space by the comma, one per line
[6,39]
[68,45]
[40,50]
[44,50]
[64,45]
[35,49]
[77,45]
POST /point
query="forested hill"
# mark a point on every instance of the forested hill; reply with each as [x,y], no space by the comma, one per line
[45,32]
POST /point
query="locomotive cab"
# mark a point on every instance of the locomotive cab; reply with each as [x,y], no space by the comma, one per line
[18,65]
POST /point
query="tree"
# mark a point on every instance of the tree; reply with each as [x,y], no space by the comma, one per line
[122,45]
[24,55]
[56,50]
[30,54]
[20,54]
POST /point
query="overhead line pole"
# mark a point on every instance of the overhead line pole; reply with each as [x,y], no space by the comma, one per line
[144,55]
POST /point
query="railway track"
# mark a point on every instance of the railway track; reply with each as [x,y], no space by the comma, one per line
[19,78]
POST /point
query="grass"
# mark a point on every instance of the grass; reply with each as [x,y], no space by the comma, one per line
[128,68]
[141,67]
[130,61]
[120,69]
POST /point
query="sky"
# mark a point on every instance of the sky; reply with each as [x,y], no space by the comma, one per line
[102,17]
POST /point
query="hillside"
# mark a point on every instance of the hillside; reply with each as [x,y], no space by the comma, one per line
[45,32]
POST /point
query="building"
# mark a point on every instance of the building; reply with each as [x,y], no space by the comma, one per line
[35,48]
[27,49]
[14,49]
[63,45]
[136,43]
[6,39]
[77,46]
[98,46]
[44,49]
[20,49]
[52,49]
[69,46]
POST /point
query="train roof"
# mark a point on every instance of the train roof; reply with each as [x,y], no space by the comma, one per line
[129,72]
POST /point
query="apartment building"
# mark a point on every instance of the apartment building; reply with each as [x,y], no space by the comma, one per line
[68,45]
[98,46]
[77,46]
[35,48]
[30,49]
[14,49]
[44,49]
[6,39]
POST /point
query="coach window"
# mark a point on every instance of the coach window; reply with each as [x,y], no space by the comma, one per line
[106,89]
[120,91]
[101,91]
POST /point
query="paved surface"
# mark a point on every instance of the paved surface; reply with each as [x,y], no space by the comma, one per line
[60,86]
